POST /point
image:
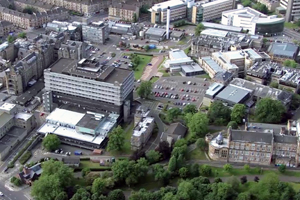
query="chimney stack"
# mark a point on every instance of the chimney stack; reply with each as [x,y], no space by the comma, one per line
[168,23]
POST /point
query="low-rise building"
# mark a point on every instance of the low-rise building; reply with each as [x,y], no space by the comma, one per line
[6,27]
[96,32]
[180,62]
[157,34]
[28,175]
[25,121]
[261,144]
[253,21]
[280,52]
[71,162]
[175,132]
[124,12]
[87,130]
[144,125]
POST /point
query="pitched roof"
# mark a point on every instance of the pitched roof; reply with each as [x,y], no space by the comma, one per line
[252,137]
[177,129]
[285,139]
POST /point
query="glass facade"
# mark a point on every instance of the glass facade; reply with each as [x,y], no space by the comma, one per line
[269,29]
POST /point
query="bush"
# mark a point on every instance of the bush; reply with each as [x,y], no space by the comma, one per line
[25,157]
[247,167]
[228,167]
[17,182]
[282,169]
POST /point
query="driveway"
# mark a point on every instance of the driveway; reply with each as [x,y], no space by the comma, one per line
[151,70]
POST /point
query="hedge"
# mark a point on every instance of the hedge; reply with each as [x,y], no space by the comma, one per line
[93,169]
[25,157]
[85,158]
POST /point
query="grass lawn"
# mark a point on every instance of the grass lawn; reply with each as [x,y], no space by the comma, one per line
[154,79]
[165,74]
[140,68]
[127,145]
[296,186]
[204,76]
[290,25]
[183,41]
[153,50]
[196,154]
[89,164]
[187,50]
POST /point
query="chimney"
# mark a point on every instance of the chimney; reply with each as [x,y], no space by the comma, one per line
[26,170]
[168,23]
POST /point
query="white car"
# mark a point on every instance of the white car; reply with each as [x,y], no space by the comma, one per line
[1,194]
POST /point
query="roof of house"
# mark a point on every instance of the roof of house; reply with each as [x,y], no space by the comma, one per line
[35,170]
[124,6]
[176,129]
[285,139]
[251,137]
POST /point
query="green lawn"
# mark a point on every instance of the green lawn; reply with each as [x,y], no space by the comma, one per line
[140,68]
[183,41]
[296,186]
[187,50]
[89,164]
[196,154]
[153,50]
[127,145]
[204,76]
[290,25]
[154,79]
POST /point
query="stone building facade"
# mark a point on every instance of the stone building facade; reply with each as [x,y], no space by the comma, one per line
[264,147]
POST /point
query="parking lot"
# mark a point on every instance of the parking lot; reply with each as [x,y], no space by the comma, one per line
[180,91]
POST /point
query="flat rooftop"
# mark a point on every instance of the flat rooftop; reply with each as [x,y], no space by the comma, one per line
[23,116]
[172,4]
[105,74]
[30,93]
[4,118]
[214,89]
[193,67]
[65,117]
[283,49]
[156,31]
[142,126]
[233,94]
[212,64]
[177,54]
[216,33]
[210,25]
[7,107]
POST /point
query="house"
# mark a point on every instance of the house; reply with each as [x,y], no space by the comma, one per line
[71,162]
[175,132]
[28,175]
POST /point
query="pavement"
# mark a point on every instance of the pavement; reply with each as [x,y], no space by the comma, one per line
[151,70]
[291,33]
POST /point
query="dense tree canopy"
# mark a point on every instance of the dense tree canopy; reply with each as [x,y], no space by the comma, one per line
[51,142]
[197,124]
[269,111]
[218,113]
[173,113]
[199,28]
[145,89]
[153,156]
[238,113]
[191,108]
[116,139]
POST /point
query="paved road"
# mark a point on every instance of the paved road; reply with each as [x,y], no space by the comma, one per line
[290,33]
[11,195]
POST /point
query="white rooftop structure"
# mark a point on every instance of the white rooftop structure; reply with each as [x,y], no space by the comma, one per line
[213,32]
[7,107]
[65,117]
[23,116]
[143,126]
[164,5]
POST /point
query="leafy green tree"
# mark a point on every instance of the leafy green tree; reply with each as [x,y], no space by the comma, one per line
[261,8]
[10,39]
[238,113]
[173,113]
[194,170]
[116,139]
[201,144]
[243,179]
[46,187]
[295,102]
[218,180]
[234,182]
[187,191]
[228,167]
[205,170]
[244,196]
[146,48]
[274,84]
[218,113]
[85,171]
[29,10]
[181,142]
[269,110]
[116,195]
[282,169]
[161,174]
[180,161]
[109,182]
[179,151]
[144,9]
[82,193]
[62,196]
[233,125]
[51,142]
[172,164]
[22,35]
[183,172]
[199,28]
[221,191]
[191,108]
[98,186]
[198,124]
[247,168]
[169,196]
[134,18]
[153,156]
[246,3]
[17,182]
[145,89]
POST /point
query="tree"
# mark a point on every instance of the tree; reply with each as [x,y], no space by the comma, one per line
[165,149]
[228,167]
[218,180]
[244,196]
[144,89]
[186,191]
[261,8]
[191,108]
[98,185]
[221,191]
[290,63]
[46,187]
[269,110]
[199,28]
[51,142]
[234,182]
[198,124]
[201,144]
[29,10]
[181,142]
[205,170]
[161,174]
[246,3]
[173,113]
[243,179]
[116,139]
[17,182]
[180,161]
[194,170]
[82,193]
[153,156]
[146,48]
[238,113]
[116,195]
[232,124]
[64,173]
[144,9]
[85,171]
[247,167]
[179,151]
[172,164]
[274,84]
[62,196]
[218,113]
[22,35]
[10,39]
[183,172]
[134,18]
[282,169]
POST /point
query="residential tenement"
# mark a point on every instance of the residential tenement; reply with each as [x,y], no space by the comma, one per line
[261,144]
[124,12]
[36,5]
[6,27]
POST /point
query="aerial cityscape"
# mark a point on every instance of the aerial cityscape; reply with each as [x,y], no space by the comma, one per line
[149,100]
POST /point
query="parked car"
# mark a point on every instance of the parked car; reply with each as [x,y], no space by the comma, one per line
[78,153]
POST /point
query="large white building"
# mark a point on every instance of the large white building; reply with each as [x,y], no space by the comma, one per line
[88,85]
[87,130]
[253,21]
